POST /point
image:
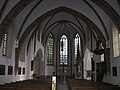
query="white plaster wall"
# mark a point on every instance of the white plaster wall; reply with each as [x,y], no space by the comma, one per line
[11,62]
[30,57]
[114,62]
[28,67]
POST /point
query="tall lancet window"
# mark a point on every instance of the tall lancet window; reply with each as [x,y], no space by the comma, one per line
[5,44]
[63,50]
[50,50]
[116,41]
[77,48]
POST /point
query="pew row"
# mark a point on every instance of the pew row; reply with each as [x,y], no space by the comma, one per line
[77,84]
[40,84]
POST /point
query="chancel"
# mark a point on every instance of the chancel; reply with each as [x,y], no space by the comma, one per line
[75,41]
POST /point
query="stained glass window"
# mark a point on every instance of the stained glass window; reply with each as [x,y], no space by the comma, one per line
[63,50]
[50,50]
[76,47]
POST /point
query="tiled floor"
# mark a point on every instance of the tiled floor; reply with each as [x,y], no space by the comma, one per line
[62,84]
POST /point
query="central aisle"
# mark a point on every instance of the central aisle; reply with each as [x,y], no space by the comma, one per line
[62,84]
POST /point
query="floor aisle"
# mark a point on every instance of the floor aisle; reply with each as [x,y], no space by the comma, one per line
[62,84]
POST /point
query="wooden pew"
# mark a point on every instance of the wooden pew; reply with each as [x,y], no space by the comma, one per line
[76,84]
[40,84]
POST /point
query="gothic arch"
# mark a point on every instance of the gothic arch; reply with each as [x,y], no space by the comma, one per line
[39,63]
[86,62]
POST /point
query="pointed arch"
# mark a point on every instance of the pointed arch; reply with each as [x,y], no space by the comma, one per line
[87,63]
[39,63]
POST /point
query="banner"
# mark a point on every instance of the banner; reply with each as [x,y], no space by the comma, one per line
[53,82]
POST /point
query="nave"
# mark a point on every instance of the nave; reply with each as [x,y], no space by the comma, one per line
[79,38]
[62,84]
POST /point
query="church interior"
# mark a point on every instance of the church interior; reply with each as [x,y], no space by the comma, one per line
[59,44]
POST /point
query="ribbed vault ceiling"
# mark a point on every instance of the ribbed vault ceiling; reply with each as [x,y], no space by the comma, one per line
[54,15]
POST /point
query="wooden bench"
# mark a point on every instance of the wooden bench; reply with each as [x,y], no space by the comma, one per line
[76,84]
[40,84]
